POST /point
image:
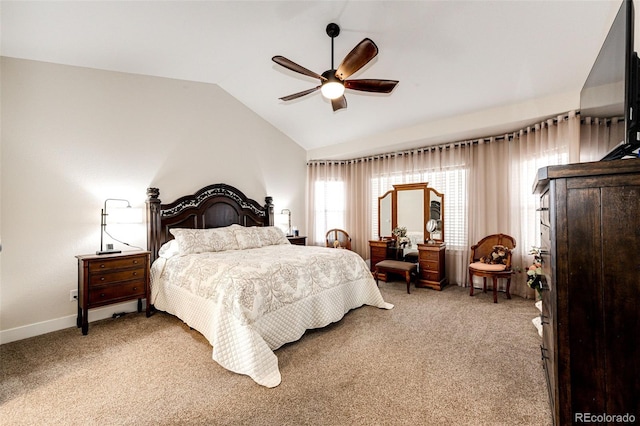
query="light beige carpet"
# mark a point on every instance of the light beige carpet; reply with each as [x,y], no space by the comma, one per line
[437,358]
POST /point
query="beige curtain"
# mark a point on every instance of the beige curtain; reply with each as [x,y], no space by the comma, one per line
[502,176]
[598,136]
[494,194]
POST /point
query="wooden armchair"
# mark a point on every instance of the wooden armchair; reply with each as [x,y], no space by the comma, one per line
[491,258]
[338,238]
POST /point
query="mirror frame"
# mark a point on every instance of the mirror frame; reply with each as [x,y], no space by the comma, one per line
[381,199]
[421,187]
[441,220]
[427,193]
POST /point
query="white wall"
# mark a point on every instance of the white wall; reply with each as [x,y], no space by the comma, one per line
[488,122]
[72,137]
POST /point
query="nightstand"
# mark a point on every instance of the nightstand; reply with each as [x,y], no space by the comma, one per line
[111,278]
[431,264]
[300,241]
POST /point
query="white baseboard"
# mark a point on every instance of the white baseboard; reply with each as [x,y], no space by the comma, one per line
[44,327]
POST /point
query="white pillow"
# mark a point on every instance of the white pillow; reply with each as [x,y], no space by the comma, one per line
[272,236]
[247,237]
[204,240]
[169,249]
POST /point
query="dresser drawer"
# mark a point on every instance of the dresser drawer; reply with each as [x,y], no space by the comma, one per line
[429,266]
[379,252]
[544,209]
[117,263]
[430,255]
[430,275]
[127,290]
[545,237]
[116,276]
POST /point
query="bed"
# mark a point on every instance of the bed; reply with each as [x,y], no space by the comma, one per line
[220,265]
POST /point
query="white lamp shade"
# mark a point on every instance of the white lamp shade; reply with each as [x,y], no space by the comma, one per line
[282,222]
[124,215]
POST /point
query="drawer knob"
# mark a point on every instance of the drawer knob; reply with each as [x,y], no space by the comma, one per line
[135,262]
[135,289]
[135,273]
[101,278]
[101,294]
[102,265]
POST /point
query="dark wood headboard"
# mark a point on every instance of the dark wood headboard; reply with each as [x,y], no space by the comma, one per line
[213,206]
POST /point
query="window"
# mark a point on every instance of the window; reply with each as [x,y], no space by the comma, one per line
[452,183]
[529,217]
[330,206]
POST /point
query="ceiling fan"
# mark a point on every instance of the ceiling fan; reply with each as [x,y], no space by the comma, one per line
[333,82]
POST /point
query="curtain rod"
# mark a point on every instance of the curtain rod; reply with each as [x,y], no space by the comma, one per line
[508,135]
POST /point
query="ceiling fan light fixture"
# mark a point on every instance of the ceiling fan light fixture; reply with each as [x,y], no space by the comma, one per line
[332,89]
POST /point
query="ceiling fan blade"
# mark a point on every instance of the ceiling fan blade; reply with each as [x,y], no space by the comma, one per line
[360,56]
[371,85]
[339,103]
[299,94]
[281,60]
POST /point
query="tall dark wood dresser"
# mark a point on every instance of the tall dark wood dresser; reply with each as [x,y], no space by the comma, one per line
[590,240]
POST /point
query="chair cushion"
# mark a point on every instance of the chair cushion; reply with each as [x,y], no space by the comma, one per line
[397,265]
[487,267]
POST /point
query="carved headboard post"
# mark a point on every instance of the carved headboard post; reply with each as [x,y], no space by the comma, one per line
[153,221]
[268,208]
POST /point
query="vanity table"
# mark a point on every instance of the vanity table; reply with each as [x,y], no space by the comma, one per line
[413,206]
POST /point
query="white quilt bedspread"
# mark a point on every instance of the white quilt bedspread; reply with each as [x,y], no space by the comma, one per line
[248,303]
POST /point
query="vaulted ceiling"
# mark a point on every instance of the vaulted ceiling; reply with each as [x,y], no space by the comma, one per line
[452,58]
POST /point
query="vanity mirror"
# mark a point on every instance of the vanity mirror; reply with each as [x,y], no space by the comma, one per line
[412,206]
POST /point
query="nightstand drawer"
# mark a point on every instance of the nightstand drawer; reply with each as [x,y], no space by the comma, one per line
[430,255]
[379,252]
[116,276]
[129,262]
[127,290]
[430,275]
[429,266]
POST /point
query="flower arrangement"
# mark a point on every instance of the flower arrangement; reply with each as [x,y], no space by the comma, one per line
[401,236]
[534,273]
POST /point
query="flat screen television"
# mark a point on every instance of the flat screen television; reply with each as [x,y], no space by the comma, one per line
[611,89]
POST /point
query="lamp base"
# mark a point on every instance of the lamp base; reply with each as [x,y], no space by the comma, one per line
[108,251]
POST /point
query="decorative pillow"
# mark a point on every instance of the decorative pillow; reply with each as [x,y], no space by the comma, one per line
[223,239]
[169,249]
[498,256]
[203,240]
[191,240]
[272,236]
[247,237]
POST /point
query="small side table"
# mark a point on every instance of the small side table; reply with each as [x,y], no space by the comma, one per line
[432,266]
[300,241]
[111,278]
